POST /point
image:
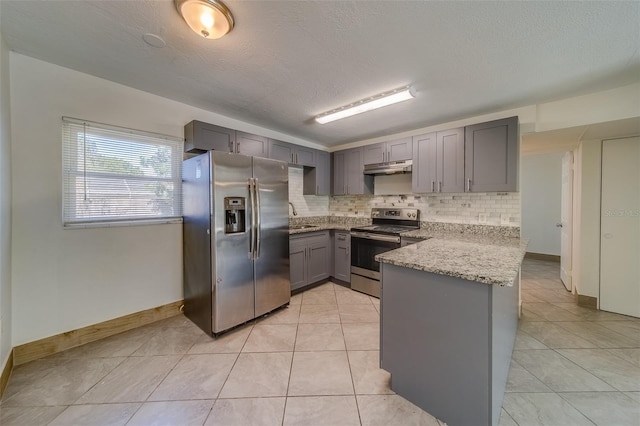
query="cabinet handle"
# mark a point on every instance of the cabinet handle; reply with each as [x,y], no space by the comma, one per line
[439,186]
[433,186]
[317,189]
[296,158]
[468,185]
[238,148]
[230,146]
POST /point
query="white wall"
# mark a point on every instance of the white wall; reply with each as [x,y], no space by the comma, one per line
[5,207]
[541,193]
[64,279]
[306,205]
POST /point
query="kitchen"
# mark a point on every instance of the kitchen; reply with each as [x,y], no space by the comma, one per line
[82,275]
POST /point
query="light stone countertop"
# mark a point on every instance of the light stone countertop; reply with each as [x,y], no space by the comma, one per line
[319,227]
[482,258]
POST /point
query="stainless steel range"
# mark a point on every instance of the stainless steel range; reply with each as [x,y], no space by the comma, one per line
[381,236]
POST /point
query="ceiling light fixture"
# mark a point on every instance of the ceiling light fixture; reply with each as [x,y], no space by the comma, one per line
[374,102]
[207,18]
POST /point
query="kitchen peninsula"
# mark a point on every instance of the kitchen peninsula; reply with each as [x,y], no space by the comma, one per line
[449,313]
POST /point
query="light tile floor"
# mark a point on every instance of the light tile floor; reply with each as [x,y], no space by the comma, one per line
[316,363]
[570,365]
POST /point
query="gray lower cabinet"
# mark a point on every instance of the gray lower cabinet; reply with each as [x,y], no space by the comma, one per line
[348,176]
[309,257]
[201,137]
[491,156]
[438,162]
[447,342]
[342,256]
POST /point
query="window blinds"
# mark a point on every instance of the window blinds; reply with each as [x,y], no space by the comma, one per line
[112,174]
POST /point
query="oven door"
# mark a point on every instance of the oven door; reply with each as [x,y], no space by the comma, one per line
[365,247]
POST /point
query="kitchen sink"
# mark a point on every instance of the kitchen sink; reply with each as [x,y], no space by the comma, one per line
[302,226]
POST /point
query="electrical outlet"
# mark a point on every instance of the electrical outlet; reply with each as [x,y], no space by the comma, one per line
[482,218]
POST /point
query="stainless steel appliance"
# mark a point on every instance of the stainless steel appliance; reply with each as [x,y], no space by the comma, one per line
[381,236]
[235,238]
[389,168]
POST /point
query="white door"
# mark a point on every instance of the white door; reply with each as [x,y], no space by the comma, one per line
[620,227]
[566,219]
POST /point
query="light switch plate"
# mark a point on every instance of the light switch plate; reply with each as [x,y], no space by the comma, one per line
[482,218]
[504,219]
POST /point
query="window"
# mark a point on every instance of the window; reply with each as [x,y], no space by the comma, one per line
[113,175]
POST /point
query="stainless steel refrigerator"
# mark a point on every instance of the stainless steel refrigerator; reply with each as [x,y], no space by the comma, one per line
[235,238]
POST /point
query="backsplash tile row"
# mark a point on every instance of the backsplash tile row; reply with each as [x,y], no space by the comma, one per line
[492,208]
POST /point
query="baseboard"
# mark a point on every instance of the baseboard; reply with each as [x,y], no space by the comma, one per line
[70,339]
[542,256]
[6,373]
[587,301]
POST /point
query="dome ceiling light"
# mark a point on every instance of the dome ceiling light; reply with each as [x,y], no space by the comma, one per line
[208,18]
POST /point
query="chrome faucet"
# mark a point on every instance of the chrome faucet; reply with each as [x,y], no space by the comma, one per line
[295,213]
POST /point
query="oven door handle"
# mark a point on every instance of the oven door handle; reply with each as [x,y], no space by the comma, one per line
[376,237]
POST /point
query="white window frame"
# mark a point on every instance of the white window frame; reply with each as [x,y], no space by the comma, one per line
[74,138]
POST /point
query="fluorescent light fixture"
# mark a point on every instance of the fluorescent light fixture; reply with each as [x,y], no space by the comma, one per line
[374,102]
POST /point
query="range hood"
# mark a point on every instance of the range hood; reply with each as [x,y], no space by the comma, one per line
[390,168]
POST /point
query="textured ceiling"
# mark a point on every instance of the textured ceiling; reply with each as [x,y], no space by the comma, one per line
[286,61]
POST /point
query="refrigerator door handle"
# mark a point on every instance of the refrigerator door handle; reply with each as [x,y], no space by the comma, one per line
[252,228]
[256,189]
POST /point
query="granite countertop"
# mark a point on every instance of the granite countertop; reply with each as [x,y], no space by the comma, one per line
[324,223]
[488,259]
[319,227]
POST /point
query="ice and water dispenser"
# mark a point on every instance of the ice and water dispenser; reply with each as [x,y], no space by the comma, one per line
[234,211]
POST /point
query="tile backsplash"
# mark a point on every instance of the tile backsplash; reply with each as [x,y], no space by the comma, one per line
[306,205]
[491,208]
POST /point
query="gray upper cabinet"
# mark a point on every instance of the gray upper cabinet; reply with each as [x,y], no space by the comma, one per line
[282,151]
[348,173]
[491,156]
[338,184]
[293,154]
[438,162]
[201,137]
[396,150]
[374,154]
[450,153]
[249,144]
[317,179]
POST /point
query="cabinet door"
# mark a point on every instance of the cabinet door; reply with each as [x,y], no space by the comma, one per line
[399,150]
[200,137]
[304,156]
[423,176]
[282,151]
[249,144]
[342,256]
[323,173]
[339,178]
[491,151]
[317,179]
[450,160]
[297,263]
[357,182]
[318,265]
[374,154]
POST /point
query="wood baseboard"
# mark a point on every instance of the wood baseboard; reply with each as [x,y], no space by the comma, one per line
[70,339]
[587,301]
[541,256]
[6,373]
